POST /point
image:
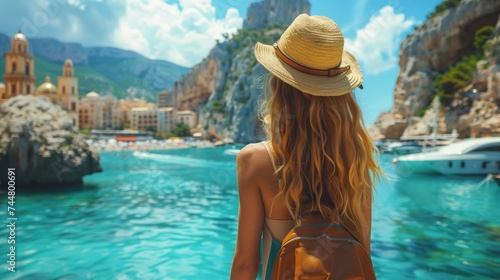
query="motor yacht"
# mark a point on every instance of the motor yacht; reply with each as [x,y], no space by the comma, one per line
[478,156]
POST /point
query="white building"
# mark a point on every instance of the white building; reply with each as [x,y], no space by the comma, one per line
[128,104]
[166,119]
[144,118]
[99,112]
[187,117]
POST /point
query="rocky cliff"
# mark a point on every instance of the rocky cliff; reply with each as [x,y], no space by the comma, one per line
[226,86]
[37,138]
[431,50]
[262,13]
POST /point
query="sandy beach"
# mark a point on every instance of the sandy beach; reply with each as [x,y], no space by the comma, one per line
[113,145]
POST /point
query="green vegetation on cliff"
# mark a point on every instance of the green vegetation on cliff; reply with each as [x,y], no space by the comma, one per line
[482,36]
[457,77]
[460,74]
[247,37]
[443,6]
[242,62]
[438,10]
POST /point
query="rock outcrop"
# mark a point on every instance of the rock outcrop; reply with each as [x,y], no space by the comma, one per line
[37,138]
[224,89]
[226,86]
[280,12]
[435,46]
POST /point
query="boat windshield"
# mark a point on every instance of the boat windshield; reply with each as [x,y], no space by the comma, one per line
[495,148]
[469,145]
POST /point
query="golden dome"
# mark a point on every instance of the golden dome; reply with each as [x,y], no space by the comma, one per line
[47,88]
[92,94]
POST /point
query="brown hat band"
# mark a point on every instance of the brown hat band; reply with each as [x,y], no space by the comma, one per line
[307,70]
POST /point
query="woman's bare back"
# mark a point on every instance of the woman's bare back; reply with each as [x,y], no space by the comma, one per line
[268,184]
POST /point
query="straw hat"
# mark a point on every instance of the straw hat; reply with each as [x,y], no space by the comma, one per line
[310,56]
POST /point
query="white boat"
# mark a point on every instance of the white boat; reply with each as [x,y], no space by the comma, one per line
[479,156]
[399,148]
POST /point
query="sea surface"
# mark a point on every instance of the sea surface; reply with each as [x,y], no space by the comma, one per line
[173,215]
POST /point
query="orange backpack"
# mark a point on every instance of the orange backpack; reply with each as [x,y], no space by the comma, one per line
[322,251]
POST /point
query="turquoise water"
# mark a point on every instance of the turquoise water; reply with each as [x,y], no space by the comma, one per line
[174,216]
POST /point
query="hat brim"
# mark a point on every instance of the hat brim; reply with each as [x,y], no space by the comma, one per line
[314,85]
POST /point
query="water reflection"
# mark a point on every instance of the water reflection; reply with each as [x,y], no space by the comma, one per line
[443,226]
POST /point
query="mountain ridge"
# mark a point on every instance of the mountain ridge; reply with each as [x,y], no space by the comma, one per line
[107,70]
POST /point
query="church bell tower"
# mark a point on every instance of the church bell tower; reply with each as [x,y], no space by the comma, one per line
[68,90]
[19,69]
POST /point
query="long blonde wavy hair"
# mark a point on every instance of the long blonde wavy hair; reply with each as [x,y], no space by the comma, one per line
[324,154]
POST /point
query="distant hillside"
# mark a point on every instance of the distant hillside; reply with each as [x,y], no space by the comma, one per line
[105,70]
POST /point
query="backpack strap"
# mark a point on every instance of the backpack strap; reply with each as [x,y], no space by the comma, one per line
[356,236]
[315,219]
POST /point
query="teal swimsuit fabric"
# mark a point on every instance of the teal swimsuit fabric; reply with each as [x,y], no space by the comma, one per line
[275,248]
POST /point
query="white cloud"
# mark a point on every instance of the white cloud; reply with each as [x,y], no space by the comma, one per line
[376,44]
[182,34]
[77,3]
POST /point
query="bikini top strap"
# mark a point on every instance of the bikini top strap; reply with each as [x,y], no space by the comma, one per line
[268,148]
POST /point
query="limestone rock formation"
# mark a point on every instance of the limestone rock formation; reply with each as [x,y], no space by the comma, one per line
[281,12]
[37,138]
[207,77]
[226,86]
[434,46]
[224,89]
[388,126]
[232,112]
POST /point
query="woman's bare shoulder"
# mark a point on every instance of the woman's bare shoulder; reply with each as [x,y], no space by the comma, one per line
[252,156]
[250,151]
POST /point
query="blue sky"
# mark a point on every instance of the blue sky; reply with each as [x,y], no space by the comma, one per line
[183,31]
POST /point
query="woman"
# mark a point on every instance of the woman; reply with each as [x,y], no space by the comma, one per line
[319,156]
